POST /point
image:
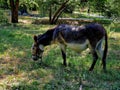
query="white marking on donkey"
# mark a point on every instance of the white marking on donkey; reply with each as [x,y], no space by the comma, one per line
[77,38]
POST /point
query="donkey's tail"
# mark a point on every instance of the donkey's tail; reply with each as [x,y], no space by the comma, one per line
[106,46]
[105,51]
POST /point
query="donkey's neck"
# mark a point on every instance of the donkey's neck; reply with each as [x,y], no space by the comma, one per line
[46,38]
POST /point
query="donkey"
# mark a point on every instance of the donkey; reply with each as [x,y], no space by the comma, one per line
[77,38]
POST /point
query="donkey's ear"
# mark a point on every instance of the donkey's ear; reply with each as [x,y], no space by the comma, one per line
[35,38]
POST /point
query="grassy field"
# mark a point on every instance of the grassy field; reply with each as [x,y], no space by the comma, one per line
[19,72]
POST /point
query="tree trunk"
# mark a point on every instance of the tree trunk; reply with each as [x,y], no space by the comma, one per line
[50,13]
[58,13]
[14,4]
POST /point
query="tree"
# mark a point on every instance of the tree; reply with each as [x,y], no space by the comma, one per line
[14,4]
[53,19]
[52,9]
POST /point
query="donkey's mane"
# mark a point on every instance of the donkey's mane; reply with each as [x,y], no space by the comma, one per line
[46,38]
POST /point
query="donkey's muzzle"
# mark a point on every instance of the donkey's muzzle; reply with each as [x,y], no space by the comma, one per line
[35,58]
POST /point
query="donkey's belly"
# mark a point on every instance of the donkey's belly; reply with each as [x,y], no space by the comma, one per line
[78,47]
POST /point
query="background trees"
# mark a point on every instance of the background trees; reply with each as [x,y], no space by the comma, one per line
[54,8]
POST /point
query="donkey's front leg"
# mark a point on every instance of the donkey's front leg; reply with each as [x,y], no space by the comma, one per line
[63,50]
[64,57]
[95,57]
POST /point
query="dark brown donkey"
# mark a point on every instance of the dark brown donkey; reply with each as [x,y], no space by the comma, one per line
[77,38]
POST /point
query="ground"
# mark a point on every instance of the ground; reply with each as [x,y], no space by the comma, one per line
[19,72]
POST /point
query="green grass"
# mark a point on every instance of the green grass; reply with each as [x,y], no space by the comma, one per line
[19,72]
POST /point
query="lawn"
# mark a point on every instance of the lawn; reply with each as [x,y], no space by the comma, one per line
[19,72]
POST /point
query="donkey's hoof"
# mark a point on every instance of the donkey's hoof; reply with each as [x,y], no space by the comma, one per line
[65,65]
[104,70]
[91,69]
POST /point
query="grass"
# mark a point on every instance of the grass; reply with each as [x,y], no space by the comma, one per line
[19,72]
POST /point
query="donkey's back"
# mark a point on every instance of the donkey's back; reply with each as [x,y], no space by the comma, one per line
[78,34]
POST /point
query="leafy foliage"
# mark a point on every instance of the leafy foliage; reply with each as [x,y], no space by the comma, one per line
[3,17]
[113,8]
[109,8]
[29,4]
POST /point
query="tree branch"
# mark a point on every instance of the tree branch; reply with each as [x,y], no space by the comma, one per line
[17,3]
[57,13]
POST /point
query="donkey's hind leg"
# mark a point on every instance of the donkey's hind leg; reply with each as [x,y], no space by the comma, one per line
[100,51]
[63,50]
[95,57]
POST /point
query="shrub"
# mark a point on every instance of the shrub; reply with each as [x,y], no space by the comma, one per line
[3,17]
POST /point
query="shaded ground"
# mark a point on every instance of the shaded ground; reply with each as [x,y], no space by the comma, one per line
[18,71]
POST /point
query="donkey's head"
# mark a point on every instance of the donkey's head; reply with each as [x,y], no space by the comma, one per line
[37,49]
